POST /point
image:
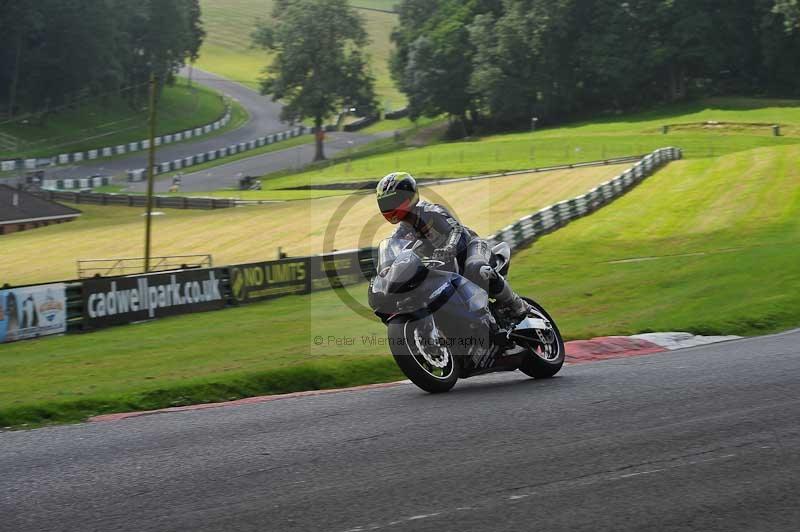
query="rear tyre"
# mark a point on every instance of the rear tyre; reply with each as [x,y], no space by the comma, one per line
[545,358]
[431,367]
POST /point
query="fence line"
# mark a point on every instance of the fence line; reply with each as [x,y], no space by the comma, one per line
[131,200]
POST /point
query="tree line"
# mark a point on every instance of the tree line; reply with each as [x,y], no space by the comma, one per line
[505,61]
[59,52]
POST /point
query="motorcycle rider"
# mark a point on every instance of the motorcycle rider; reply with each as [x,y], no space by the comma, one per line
[445,239]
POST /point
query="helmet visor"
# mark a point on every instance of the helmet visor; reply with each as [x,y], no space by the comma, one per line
[394,201]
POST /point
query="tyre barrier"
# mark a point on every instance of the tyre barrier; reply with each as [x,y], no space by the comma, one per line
[140,174]
[528,229]
[76,184]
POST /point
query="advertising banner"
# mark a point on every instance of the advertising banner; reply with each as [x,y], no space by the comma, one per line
[119,300]
[267,280]
[31,311]
[339,269]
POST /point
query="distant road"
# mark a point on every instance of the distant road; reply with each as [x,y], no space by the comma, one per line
[227,175]
[264,119]
[706,438]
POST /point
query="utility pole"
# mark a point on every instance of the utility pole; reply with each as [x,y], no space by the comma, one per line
[12,93]
[151,162]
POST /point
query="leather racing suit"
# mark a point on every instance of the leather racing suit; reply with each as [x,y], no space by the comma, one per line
[439,230]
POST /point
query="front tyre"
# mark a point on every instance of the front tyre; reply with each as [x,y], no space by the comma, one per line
[545,357]
[420,352]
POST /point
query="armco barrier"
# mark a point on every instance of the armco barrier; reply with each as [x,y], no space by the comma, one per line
[140,174]
[100,302]
[361,123]
[166,202]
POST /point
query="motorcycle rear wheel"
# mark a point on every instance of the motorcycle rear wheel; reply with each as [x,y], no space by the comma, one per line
[544,363]
[431,372]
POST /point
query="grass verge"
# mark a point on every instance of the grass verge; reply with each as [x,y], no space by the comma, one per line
[707,245]
[113,122]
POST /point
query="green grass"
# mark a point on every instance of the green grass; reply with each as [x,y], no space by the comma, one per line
[716,243]
[716,249]
[253,233]
[709,245]
[113,122]
[604,138]
[401,124]
[227,49]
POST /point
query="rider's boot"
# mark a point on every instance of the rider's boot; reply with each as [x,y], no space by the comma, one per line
[510,304]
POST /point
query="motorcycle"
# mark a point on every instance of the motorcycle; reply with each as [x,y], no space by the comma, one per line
[442,327]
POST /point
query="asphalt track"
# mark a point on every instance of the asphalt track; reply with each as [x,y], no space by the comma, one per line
[264,119]
[706,438]
[227,175]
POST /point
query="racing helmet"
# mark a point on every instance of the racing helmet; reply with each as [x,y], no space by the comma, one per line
[397,195]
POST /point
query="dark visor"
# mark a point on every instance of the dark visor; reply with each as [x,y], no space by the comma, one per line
[392,202]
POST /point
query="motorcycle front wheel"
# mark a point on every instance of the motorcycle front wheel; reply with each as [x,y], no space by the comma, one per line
[419,351]
[545,357]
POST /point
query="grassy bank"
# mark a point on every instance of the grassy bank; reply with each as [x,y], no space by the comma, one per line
[599,139]
[112,122]
[254,233]
[227,51]
[706,245]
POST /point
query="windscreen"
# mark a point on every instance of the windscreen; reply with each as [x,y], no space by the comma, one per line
[389,249]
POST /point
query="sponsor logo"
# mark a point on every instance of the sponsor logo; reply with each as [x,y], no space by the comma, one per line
[51,308]
[150,298]
[251,282]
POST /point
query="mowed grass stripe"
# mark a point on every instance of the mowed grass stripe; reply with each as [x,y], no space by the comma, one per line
[709,246]
[254,233]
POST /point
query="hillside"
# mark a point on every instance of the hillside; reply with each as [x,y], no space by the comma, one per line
[227,49]
[737,125]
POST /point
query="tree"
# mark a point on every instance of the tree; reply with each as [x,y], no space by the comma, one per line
[318,68]
[58,52]
[790,9]
[521,63]
[432,62]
